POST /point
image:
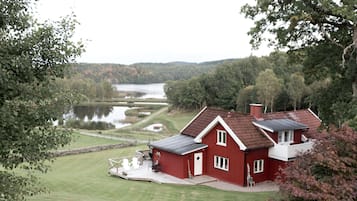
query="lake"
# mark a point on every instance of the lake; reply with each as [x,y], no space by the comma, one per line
[115,114]
[155,90]
[105,113]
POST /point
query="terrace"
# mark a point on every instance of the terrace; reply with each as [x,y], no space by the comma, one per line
[286,152]
[142,171]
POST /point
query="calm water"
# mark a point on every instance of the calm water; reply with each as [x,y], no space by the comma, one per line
[109,114]
[150,90]
[114,114]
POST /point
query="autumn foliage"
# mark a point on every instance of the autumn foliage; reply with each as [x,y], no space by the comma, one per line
[328,172]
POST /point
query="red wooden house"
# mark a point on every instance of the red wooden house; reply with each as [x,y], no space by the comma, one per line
[235,147]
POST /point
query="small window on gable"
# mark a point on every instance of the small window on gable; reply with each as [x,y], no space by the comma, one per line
[221,138]
[221,163]
[286,136]
[259,166]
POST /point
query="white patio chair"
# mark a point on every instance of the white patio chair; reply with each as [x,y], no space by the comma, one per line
[126,164]
[135,163]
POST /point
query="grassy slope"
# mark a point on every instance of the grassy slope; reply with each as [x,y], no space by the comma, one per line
[173,122]
[84,178]
[87,141]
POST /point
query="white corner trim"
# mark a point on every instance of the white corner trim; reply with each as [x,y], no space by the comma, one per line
[262,127]
[266,135]
[315,115]
[213,123]
[194,118]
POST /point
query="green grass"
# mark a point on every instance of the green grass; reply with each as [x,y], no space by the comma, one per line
[80,141]
[173,121]
[84,178]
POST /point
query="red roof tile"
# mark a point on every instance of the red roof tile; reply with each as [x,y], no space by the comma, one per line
[244,129]
[206,116]
[242,126]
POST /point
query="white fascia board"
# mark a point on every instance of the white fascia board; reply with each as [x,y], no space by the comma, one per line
[213,123]
[315,115]
[194,118]
[199,137]
[263,127]
[266,135]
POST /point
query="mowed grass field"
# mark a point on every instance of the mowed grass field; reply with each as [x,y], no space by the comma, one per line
[84,178]
[173,122]
[80,141]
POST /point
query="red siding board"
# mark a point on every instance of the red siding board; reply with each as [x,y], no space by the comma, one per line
[275,167]
[297,136]
[177,165]
[259,154]
[166,161]
[235,173]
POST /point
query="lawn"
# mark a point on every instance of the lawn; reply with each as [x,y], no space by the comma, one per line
[80,141]
[84,178]
[173,122]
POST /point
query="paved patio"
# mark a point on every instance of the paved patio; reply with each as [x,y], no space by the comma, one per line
[145,173]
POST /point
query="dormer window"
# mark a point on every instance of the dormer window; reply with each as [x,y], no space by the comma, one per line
[221,138]
[285,136]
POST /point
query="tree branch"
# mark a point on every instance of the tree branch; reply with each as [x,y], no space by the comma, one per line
[328,37]
[345,52]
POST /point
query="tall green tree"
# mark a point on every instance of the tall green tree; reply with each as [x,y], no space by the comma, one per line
[246,96]
[268,88]
[32,55]
[296,89]
[324,32]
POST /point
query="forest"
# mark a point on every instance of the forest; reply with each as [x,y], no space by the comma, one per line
[277,81]
[237,83]
[142,73]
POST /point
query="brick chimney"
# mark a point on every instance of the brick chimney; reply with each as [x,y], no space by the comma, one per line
[256,110]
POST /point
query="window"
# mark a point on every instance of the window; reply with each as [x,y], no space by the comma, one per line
[258,166]
[286,136]
[221,137]
[221,163]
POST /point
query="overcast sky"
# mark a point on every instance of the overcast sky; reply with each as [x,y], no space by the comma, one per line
[131,31]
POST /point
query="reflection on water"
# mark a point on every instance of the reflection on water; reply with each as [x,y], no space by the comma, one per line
[149,90]
[109,114]
[114,114]
[83,112]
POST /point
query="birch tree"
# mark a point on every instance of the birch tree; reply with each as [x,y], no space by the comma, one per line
[268,87]
[323,31]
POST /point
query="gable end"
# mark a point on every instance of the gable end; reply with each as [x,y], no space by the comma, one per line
[209,127]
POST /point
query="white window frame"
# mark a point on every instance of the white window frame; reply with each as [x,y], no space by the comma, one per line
[285,136]
[258,166]
[221,138]
[221,163]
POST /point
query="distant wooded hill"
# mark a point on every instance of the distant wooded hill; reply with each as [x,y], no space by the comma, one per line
[142,73]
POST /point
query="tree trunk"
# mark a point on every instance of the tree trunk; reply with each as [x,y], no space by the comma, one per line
[354,82]
[354,89]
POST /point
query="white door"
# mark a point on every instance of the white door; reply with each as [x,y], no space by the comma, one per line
[198,164]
